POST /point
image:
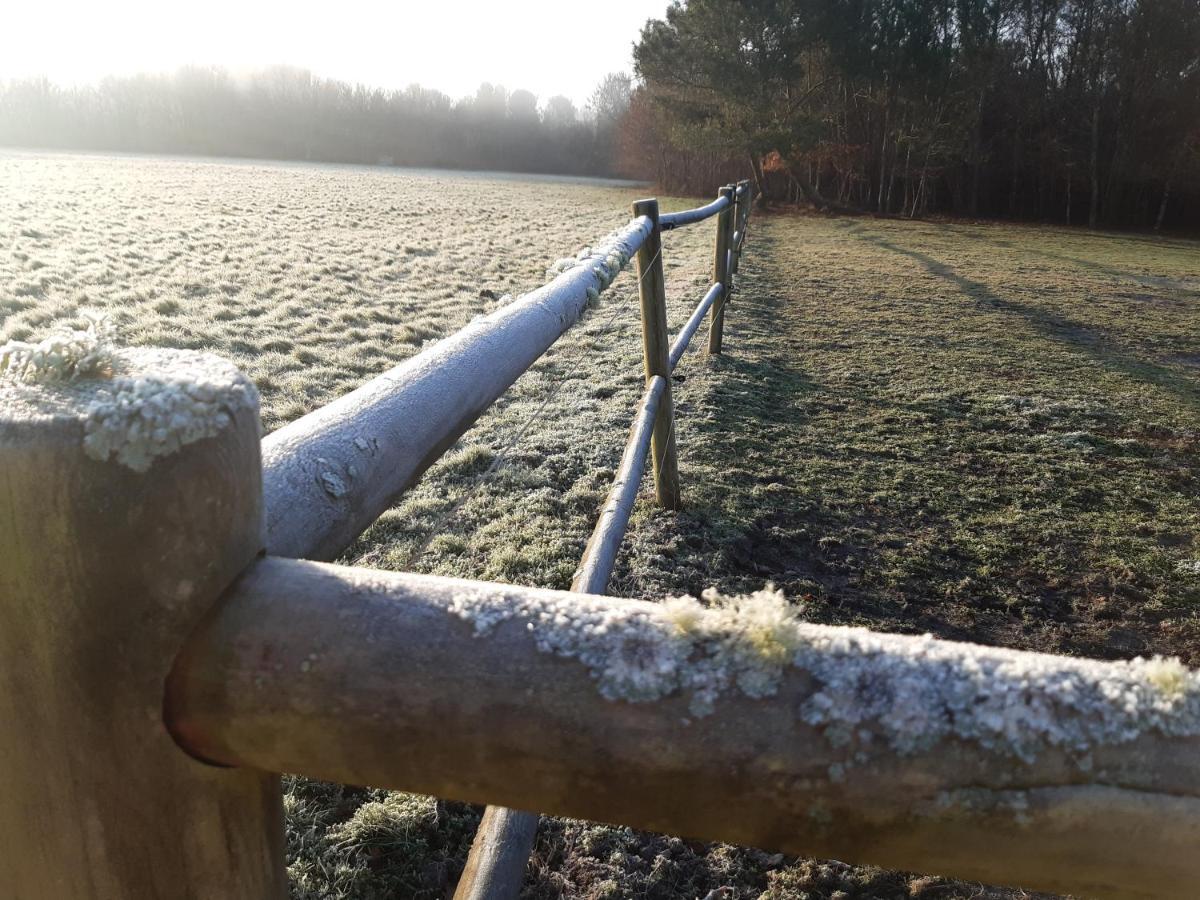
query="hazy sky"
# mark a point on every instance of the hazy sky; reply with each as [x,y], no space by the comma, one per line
[544,46]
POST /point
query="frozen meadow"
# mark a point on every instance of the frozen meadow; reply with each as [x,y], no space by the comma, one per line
[983,431]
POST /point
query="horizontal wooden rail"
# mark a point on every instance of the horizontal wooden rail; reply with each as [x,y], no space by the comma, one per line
[496,865]
[330,474]
[680,344]
[733,723]
[668,221]
[601,554]
[144,530]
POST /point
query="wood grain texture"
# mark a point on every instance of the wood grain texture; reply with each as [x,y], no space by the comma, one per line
[688,331]
[330,474]
[499,854]
[656,344]
[600,555]
[103,574]
[721,266]
[741,200]
[327,670]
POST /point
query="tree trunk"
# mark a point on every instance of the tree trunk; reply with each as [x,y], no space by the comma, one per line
[760,182]
[891,180]
[1094,165]
[887,115]
[920,197]
[1176,162]
[814,196]
[1014,185]
[907,179]
[1162,207]
[976,155]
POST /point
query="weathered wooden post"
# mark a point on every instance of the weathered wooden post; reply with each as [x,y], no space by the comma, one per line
[128,503]
[739,223]
[656,343]
[745,207]
[749,208]
[499,856]
[721,244]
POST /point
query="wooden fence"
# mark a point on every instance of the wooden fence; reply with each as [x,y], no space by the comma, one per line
[149,538]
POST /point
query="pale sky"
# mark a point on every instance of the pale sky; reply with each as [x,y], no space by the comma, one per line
[543,46]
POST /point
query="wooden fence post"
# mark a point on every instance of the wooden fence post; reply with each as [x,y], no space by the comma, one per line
[747,208]
[656,343]
[127,506]
[499,855]
[739,223]
[725,220]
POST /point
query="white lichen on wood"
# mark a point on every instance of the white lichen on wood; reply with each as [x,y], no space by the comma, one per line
[135,405]
[908,693]
[166,400]
[63,356]
[606,260]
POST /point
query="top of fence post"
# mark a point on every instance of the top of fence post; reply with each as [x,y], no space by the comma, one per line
[129,500]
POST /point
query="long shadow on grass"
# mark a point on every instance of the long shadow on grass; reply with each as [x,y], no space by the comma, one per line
[1164,243]
[1149,281]
[752,520]
[1075,335]
[754,396]
[770,495]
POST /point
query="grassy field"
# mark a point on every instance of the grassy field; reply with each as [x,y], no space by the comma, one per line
[986,432]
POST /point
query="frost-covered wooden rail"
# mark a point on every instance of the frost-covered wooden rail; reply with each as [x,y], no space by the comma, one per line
[157,669]
[496,864]
[737,722]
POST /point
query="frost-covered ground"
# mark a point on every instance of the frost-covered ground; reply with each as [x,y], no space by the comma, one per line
[986,432]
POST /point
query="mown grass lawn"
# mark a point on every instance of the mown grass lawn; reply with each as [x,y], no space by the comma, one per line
[981,431]
[987,432]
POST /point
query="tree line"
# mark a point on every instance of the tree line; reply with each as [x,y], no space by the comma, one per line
[1077,111]
[1080,111]
[287,113]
